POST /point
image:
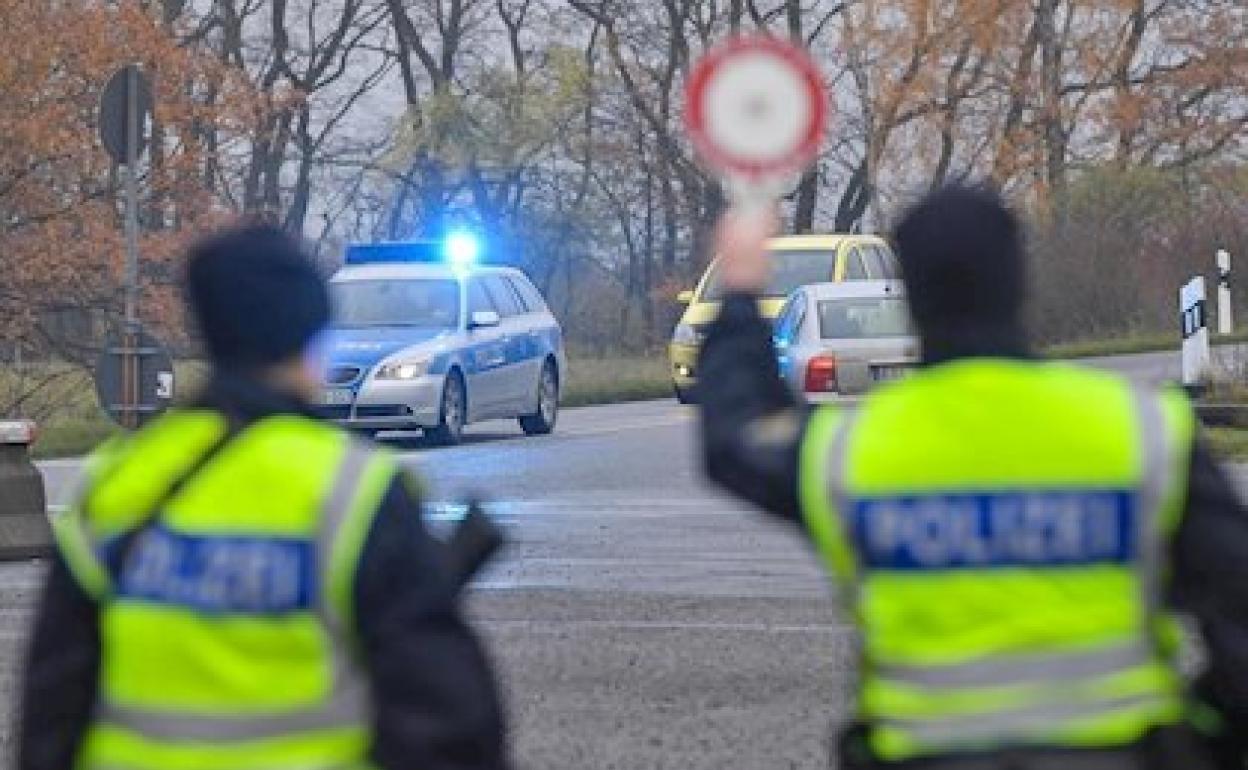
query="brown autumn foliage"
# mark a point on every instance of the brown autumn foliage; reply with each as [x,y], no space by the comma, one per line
[60,205]
[280,109]
[1031,94]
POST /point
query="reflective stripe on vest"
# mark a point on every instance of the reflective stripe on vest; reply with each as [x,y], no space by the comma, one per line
[1088,691]
[1017,724]
[262,673]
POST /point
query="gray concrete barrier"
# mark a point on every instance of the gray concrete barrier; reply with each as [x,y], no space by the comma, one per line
[24,530]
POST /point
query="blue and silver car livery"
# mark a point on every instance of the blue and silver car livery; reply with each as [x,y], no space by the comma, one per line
[431,346]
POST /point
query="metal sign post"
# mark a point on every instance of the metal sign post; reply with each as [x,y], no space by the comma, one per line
[1226,323]
[1194,323]
[756,110]
[134,378]
[125,106]
[131,360]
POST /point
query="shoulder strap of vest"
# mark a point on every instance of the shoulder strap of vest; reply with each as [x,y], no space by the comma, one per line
[115,557]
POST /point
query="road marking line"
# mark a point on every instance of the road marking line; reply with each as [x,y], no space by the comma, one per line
[657,508]
[667,625]
[676,419]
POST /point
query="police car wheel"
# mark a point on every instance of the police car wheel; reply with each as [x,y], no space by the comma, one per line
[543,420]
[450,430]
[683,395]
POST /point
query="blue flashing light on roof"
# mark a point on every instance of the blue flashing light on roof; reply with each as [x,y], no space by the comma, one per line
[422,252]
[461,248]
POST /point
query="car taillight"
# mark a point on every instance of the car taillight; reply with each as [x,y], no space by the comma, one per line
[821,374]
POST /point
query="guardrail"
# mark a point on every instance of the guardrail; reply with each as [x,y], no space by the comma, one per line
[1223,415]
[24,529]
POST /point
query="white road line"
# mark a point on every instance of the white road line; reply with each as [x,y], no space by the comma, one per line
[453,511]
[548,624]
[664,422]
[633,508]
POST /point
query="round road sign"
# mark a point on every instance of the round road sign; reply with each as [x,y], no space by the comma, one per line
[756,109]
[114,113]
[134,378]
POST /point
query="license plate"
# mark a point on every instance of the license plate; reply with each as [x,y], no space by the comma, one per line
[888,373]
[337,397]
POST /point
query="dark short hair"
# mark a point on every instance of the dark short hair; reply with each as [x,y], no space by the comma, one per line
[961,254]
[255,296]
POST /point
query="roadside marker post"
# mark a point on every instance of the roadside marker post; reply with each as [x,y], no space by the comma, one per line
[756,110]
[1226,323]
[1194,323]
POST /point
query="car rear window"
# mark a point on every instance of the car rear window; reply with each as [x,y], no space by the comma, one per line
[789,270]
[863,318]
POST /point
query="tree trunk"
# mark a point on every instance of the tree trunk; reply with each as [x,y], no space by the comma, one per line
[671,216]
[1055,139]
[807,201]
[853,205]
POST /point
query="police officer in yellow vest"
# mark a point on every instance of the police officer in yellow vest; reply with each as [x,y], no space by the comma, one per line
[243,586]
[1010,536]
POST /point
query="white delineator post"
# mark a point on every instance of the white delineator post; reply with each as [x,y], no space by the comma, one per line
[1226,323]
[1195,325]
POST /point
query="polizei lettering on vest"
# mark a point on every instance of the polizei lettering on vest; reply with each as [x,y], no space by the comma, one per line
[1007,529]
[221,574]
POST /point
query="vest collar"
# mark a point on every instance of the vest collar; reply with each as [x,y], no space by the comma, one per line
[247,399]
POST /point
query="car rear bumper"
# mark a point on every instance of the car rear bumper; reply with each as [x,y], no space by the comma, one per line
[829,398]
[390,405]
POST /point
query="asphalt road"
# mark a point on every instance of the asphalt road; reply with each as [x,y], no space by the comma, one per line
[638,620]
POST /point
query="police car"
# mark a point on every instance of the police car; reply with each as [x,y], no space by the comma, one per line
[425,338]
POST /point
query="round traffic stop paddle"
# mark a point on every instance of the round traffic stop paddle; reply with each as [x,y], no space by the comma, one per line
[756,110]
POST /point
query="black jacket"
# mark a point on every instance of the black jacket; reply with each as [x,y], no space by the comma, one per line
[436,706]
[752,427]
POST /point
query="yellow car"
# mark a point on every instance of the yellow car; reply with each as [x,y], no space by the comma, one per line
[797,260]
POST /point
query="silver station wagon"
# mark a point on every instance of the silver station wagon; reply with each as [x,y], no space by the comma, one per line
[837,340]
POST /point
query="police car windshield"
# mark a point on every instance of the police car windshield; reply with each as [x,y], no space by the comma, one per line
[863,318]
[789,270]
[426,303]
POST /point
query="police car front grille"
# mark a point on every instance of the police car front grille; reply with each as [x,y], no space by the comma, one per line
[383,411]
[332,412]
[342,375]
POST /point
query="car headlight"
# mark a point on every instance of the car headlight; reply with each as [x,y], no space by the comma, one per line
[402,370]
[685,334]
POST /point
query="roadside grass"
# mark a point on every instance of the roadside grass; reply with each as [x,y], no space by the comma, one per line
[62,400]
[1135,343]
[616,379]
[1228,443]
[70,437]
[71,422]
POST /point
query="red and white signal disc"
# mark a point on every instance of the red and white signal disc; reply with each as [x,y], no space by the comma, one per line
[756,109]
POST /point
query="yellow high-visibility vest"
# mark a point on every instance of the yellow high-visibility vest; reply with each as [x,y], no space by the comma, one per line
[1000,530]
[227,637]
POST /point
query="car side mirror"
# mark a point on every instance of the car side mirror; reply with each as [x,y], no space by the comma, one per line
[685,297]
[484,319]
